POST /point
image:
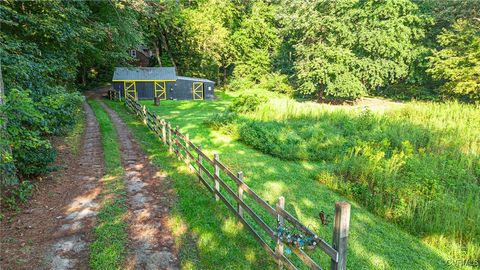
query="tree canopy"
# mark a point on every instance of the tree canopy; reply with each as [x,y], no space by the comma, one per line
[329,49]
[346,49]
[458,61]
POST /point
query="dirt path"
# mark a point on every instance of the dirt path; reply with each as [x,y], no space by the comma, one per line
[151,244]
[54,232]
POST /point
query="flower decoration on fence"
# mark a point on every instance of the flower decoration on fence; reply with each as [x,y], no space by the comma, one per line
[297,240]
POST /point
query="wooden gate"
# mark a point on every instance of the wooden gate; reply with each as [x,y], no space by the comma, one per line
[160,90]
[197,90]
[130,89]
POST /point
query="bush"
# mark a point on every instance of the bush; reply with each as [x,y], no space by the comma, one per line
[457,62]
[219,120]
[18,195]
[276,82]
[240,84]
[60,110]
[247,103]
[25,126]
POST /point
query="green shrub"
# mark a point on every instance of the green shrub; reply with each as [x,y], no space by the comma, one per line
[457,62]
[219,120]
[25,126]
[7,166]
[247,103]
[240,84]
[18,195]
[60,109]
[276,82]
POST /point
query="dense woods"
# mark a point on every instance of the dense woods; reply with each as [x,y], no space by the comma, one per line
[315,50]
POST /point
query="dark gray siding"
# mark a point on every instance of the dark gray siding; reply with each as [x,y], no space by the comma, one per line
[144,90]
[182,89]
[171,90]
[208,90]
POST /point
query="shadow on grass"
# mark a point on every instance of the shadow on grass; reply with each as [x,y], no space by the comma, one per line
[209,236]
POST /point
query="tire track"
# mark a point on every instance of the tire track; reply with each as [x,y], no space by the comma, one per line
[150,197]
[70,248]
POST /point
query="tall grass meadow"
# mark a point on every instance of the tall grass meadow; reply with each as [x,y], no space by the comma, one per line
[417,165]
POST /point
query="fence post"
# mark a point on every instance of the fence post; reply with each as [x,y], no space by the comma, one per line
[169,137]
[240,193]
[144,111]
[177,148]
[200,161]
[157,125]
[341,225]
[164,132]
[216,159]
[187,156]
[280,223]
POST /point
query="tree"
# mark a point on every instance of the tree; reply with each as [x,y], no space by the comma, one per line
[346,49]
[161,22]
[208,28]
[46,46]
[256,42]
[457,63]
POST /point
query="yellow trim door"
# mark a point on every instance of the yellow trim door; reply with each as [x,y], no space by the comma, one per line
[197,90]
[160,90]
[130,89]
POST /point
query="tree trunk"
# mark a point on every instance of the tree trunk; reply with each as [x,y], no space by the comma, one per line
[157,52]
[165,46]
[84,76]
[2,91]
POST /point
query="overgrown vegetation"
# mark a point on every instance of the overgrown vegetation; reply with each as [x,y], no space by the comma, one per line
[108,250]
[417,166]
[49,50]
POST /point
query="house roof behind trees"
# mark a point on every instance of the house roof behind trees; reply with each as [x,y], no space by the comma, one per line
[145,74]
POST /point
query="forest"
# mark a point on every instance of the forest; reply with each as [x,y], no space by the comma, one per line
[290,78]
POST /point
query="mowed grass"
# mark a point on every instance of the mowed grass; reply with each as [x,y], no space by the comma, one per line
[108,251]
[74,137]
[222,244]
[208,236]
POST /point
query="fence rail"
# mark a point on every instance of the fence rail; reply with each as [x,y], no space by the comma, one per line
[199,162]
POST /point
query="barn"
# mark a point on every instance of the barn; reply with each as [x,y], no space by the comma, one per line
[162,82]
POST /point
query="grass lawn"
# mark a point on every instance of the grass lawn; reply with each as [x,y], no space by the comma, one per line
[222,244]
[109,248]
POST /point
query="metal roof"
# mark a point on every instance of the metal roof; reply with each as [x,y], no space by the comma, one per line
[145,74]
[194,79]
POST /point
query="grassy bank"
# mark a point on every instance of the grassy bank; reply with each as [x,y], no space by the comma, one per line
[374,243]
[109,248]
[417,165]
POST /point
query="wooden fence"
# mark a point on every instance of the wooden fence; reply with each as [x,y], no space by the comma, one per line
[200,163]
[114,95]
